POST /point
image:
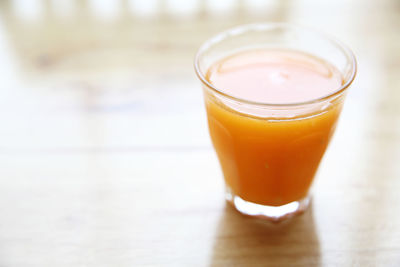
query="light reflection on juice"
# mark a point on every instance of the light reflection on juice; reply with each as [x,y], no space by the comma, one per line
[268,160]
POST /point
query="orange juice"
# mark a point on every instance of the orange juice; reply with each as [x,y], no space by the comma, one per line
[268,159]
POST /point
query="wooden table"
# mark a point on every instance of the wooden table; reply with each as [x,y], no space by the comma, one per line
[105,155]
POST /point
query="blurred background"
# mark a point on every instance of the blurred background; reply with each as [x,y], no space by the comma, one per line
[113,74]
[104,150]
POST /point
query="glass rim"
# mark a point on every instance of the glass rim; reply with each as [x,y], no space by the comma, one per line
[274,25]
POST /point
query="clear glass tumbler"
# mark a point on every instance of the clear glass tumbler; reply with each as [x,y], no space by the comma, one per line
[270,152]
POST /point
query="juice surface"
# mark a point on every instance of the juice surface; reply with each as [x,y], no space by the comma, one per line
[268,160]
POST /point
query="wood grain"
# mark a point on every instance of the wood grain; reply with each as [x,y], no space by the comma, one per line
[105,155]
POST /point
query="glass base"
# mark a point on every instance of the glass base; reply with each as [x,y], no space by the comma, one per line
[272,213]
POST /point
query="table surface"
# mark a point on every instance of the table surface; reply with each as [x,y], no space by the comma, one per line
[105,155]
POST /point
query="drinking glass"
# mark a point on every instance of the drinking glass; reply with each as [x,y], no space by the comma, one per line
[270,152]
